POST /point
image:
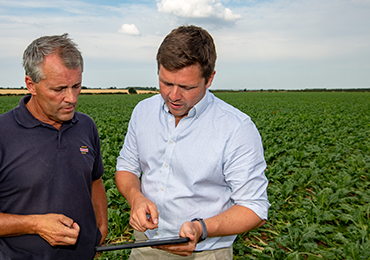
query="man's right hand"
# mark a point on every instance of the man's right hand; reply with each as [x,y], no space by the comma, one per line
[56,229]
[140,210]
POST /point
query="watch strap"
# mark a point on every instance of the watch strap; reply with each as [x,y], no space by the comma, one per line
[204,228]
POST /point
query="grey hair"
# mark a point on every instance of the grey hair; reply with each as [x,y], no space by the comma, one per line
[34,54]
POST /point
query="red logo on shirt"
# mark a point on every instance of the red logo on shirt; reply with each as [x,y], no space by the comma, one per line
[84,149]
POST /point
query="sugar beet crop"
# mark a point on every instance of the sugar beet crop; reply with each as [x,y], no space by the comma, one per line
[317,147]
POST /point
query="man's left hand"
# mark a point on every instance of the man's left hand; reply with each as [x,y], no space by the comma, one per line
[192,230]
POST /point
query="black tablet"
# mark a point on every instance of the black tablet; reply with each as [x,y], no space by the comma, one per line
[150,242]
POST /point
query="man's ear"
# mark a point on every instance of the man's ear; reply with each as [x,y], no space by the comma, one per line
[30,85]
[210,79]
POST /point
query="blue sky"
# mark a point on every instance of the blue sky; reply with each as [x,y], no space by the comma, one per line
[270,44]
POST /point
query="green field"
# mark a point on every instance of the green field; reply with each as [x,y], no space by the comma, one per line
[317,147]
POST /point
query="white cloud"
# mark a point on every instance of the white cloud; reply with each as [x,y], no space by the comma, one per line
[129,29]
[307,30]
[197,9]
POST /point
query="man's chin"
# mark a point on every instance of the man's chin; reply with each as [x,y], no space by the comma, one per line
[177,113]
[66,117]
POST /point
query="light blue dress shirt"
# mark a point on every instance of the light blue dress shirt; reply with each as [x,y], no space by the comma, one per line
[212,160]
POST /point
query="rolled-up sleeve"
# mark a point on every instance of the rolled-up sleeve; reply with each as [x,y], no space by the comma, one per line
[128,159]
[244,169]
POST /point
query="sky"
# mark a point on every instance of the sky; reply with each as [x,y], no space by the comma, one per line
[261,44]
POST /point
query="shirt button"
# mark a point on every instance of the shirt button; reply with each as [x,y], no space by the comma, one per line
[161,189]
[166,165]
[171,142]
[170,120]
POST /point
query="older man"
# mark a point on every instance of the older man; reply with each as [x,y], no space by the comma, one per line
[52,199]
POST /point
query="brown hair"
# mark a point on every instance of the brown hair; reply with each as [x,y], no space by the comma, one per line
[185,46]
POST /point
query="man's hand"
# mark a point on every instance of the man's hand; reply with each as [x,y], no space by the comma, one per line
[56,229]
[141,209]
[192,230]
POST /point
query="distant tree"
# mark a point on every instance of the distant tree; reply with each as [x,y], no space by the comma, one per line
[132,91]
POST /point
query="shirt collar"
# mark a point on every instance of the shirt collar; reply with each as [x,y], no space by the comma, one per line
[198,108]
[24,117]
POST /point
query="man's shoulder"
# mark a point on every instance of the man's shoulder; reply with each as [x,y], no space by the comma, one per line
[83,121]
[6,118]
[6,115]
[149,104]
[84,117]
[228,110]
[151,100]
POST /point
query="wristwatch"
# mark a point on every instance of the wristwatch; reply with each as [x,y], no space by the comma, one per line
[204,227]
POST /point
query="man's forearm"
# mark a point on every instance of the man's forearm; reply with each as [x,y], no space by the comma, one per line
[99,200]
[236,220]
[129,186]
[56,229]
[15,225]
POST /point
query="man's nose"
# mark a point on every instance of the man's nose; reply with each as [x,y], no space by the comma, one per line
[175,93]
[71,96]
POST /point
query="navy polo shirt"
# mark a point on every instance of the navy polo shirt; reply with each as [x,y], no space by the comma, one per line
[45,170]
